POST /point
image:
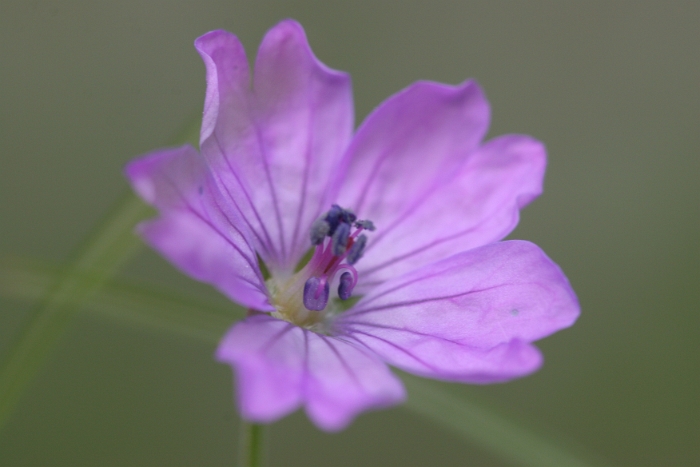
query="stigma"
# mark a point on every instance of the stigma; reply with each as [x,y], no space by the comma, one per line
[338,243]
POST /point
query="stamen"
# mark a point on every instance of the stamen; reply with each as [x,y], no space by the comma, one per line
[319,230]
[349,216]
[336,216]
[303,297]
[365,224]
[356,249]
[333,217]
[346,285]
[316,291]
[340,238]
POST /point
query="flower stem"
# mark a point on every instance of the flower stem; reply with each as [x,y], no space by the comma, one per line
[252,445]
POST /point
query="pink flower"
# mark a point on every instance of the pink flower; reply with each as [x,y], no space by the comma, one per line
[280,171]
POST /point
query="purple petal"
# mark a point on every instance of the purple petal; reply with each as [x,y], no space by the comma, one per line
[280,367]
[408,145]
[469,317]
[273,147]
[479,205]
[192,231]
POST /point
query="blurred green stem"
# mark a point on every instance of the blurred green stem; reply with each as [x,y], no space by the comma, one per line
[495,433]
[104,252]
[252,445]
[108,247]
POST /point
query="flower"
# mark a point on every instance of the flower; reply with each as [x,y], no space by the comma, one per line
[280,173]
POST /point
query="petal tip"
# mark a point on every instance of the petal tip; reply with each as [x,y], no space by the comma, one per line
[290,34]
[285,30]
[213,39]
[141,171]
[142,185]
[335,421]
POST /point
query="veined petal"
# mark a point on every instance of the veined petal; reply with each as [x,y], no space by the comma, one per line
[192,231]
[345,379]
[469,317]
[268,356]
[273,147]
[280,367]
[478,205]
[408,145]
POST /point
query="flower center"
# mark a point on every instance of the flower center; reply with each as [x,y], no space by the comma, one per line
[338,241]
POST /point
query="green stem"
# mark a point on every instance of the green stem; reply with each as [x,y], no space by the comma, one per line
[252,445]
[102,254]
[108,247]
[490,430]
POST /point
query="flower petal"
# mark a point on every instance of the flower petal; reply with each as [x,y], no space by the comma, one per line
[192,231]
[479,205]
[469,317]
[410,143]
[274,147]
[280,366]
[268,356]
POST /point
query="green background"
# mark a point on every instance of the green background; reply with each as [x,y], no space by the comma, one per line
[612,88]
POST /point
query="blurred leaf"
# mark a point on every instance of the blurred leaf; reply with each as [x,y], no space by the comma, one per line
[483,427]
[183,315]
[110,244]
[125,301]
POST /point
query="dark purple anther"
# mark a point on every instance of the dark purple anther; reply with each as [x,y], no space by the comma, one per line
[337,216]
[365,224]
[340,238]
[333,217]
[346,285]
[356,249]
[316,294]
[319,230]
[349,216]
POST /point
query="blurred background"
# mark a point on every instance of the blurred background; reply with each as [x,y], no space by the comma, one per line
[612,88]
